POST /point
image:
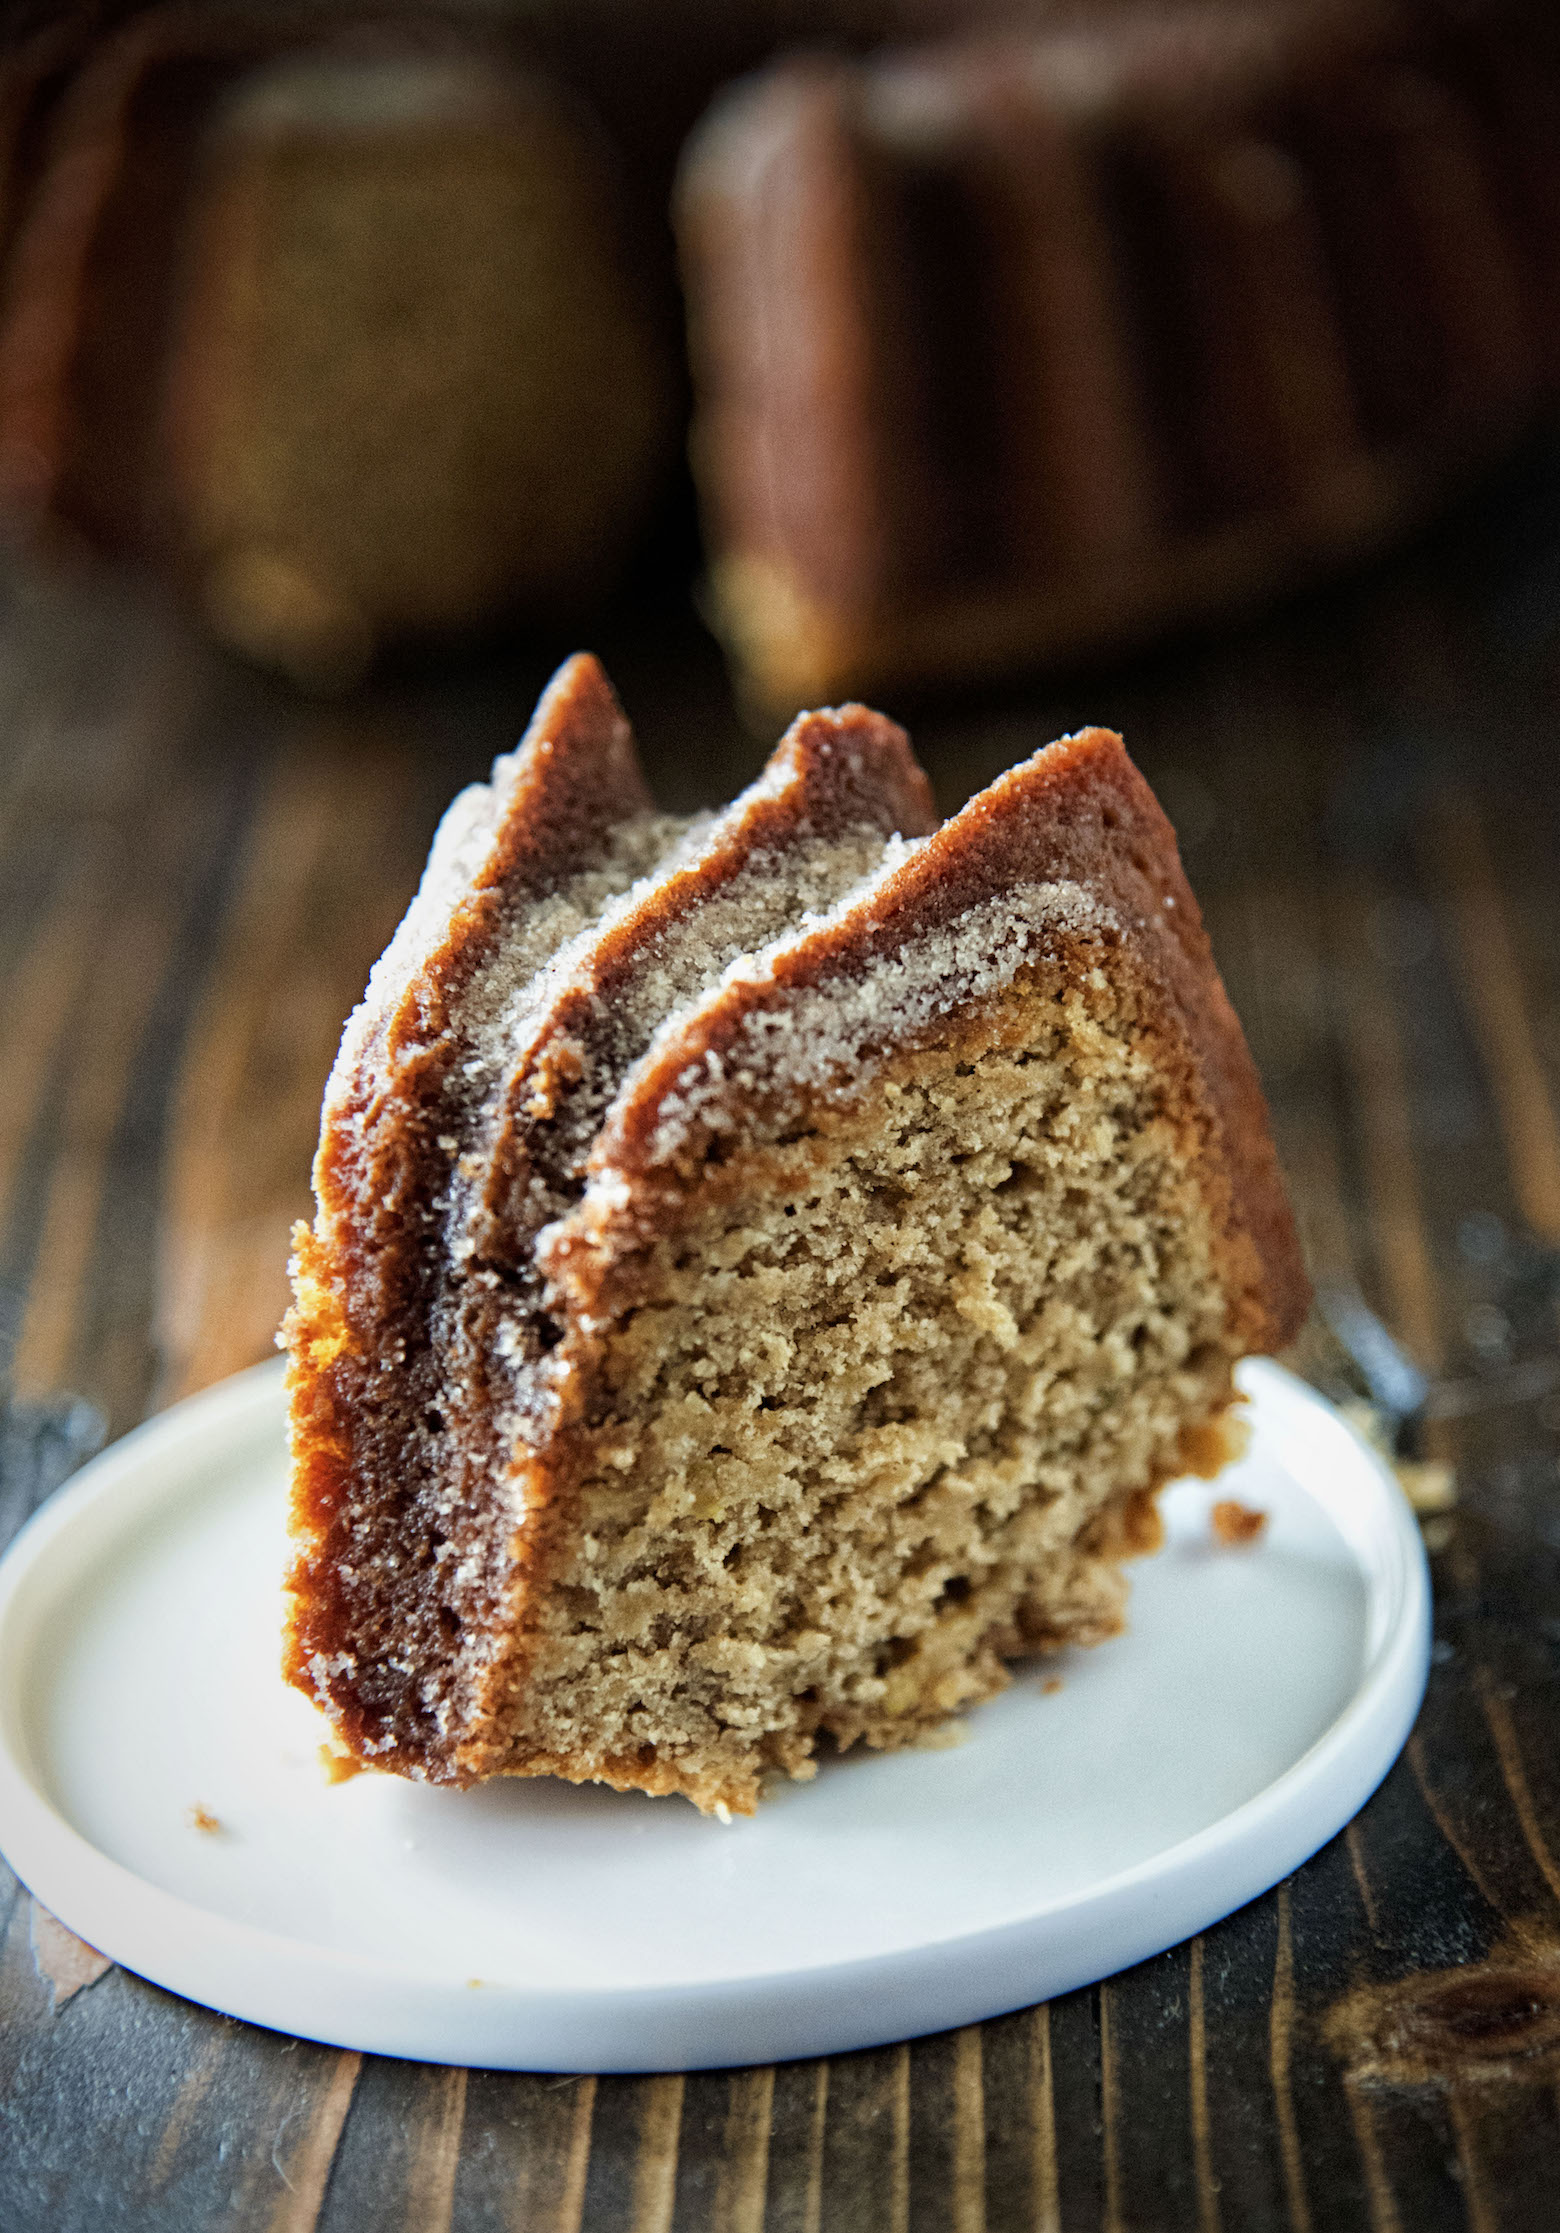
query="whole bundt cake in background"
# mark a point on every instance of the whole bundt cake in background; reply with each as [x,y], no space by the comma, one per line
[340,327]
[1013,347]
[1016,331]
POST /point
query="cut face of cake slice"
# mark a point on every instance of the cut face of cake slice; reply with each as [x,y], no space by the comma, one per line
[803,1279]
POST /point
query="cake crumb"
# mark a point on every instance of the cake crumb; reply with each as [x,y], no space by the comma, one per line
[722,1812]
[1212,1444]
[340,1767]
[200,1819]
[1234,1523]
[1051,1685]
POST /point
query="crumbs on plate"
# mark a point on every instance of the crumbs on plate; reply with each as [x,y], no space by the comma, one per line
[339,1765]
[201,1819]
[1234,1524]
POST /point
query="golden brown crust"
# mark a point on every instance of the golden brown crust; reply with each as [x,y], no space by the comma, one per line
[834,771]
[574,778]
[366,1274]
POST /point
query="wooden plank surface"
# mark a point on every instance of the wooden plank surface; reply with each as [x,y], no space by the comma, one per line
[197,867]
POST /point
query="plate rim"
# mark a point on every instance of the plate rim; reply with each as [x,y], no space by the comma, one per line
[160,1935]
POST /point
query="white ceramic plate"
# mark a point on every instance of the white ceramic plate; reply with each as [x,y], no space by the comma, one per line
[1258,1699]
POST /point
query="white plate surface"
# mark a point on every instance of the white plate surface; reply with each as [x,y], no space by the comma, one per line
[1257,1700]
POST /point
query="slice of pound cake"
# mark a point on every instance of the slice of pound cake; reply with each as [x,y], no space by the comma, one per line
[765,1266]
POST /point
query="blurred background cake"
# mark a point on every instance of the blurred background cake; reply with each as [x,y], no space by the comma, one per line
[1014,347]
[1015,332]
[341,328]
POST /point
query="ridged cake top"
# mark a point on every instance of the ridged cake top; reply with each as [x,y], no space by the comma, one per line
[588,1001]
[1067,855]
[840,786]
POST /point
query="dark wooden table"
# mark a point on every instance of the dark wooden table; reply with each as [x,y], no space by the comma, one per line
[196,869]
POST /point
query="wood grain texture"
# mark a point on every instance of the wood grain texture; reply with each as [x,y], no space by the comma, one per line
[69,1964]
[308,2166]
[195,870]
[321,885]
[1208,2213]
[1498,1006]
[742,2176]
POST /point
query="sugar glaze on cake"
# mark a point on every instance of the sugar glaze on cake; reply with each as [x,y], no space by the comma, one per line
[764,1267]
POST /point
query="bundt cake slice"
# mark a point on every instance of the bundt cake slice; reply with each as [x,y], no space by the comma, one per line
[761,1312]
